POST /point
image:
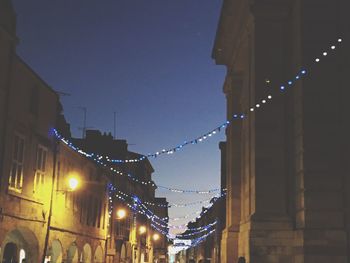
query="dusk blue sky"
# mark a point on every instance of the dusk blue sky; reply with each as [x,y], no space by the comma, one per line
[149,61]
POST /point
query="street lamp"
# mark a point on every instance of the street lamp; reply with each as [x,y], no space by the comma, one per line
[156,237]
[73,183]
[121,213]
[142,230]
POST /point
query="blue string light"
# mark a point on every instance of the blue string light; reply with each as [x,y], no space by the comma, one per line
[173,204]
[195,242]
[205,229]
[201,138]
[143,209]
[98,158]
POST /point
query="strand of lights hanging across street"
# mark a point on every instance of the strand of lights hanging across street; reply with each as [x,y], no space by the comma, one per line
[199,240]
[122,196]
[183,235]
[134,178]
[237,116]
[140,210]
[174,204]
[195,242]
[186,216]
[190,216]
[165,221]
[170,237]
[178,227]
[146,211]
[133,208]
[201,138]
[163,232]
[213,199]
[166,224]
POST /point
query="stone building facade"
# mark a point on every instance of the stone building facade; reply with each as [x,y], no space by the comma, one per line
[160,246]
[41,218]
[79,219]
[125,243]
[209,249]
[28,110]
[288,160]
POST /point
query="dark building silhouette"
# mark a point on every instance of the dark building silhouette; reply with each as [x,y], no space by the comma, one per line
[288,160]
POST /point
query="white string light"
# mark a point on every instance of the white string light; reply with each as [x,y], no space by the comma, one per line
[146,211]
[134,178]
[174,204]
[195,242]
[185,234]
[205,136]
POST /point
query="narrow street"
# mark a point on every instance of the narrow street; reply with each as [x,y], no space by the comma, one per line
[187,131]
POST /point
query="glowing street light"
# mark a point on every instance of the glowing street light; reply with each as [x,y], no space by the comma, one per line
[121,213]
[142,230]
[156,237]
[73,183]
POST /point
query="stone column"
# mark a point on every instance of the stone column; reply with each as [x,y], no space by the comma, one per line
[266,231]
[229,244]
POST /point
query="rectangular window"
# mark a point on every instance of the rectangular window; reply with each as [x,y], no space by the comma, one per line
[82,208]
[95,207]
[89,210]
[99,214]
[16,173]
[76,202]
[104,216]
[40,168]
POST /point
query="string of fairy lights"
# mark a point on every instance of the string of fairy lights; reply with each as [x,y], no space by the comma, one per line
[162,225]
[282,88]
[130,176]
[211,133]
[175,204]
[206,230]
[126,198]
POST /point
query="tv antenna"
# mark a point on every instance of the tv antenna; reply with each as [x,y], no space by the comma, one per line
[84,109]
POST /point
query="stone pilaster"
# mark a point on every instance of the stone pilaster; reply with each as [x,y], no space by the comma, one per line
[229,245]
[266,229]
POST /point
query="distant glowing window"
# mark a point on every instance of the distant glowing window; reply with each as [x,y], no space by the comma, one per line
[16,173]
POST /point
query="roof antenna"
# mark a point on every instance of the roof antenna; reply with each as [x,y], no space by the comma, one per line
[115,125]
[84,109]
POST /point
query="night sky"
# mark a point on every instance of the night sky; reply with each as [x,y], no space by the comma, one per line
[149,61]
